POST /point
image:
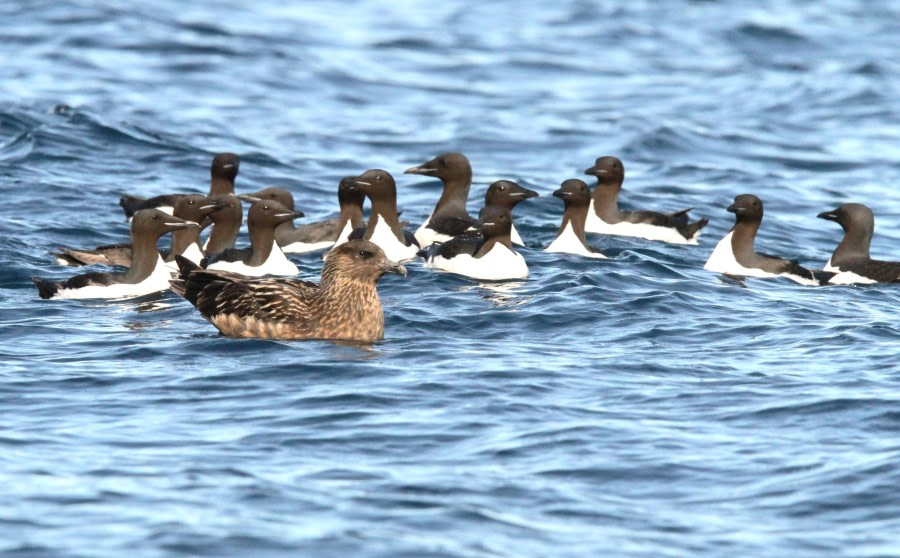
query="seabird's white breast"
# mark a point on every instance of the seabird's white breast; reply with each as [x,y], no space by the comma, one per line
[499,264]
[276,264]
[395,250]
[568,243]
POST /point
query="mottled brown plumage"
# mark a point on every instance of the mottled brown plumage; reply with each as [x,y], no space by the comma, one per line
[345,306]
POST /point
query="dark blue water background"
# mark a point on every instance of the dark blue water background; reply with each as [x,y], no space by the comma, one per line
[635,406]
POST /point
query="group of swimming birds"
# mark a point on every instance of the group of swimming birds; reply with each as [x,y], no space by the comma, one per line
[227,284]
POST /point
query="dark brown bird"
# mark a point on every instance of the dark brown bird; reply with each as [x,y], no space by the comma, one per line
[851,261]
[450,217]
[344,306]
[185,242]
[223,171]
[508,194]
[263,256]
[605,217]
[147,274]
[226,223]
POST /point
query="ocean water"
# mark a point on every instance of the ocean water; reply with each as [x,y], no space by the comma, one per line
[635,406]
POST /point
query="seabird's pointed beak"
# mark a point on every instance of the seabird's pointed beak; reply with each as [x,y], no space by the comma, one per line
[248,198]
[182,225]
[291,214]
[213,207]
[531,194]
[829,215]
[358,183]
[390,266]
[732,209]
[561,193]
[421,169]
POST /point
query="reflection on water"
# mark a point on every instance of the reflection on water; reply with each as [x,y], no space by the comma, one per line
[500,294]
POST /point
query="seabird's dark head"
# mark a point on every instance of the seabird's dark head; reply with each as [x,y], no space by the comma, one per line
[608,170]
[228,208]
[446,166]
[507,193]
[574,192]
[270,213]
[851,215]
[225,166]
[360,260]
[376,183]
[747,207]
[494,220]
[155,223]
[276,193]
[348,194]
[194,207]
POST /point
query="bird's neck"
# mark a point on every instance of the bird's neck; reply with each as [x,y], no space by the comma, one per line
[453,198]
[262,242]
[144,257]
[854,246]
[219,186]
[743,237]
[182,240]
[223,236]
[606,201]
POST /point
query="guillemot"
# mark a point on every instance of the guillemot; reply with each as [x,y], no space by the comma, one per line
[486,253]
[605,217]
[320,235]
[735,255]
[185,242]
[570,239]
[449,217]
[147,274]
[383,227]
[263,256]
[850,261]
[508,194]
[344,306]
[223,171]
[226,223]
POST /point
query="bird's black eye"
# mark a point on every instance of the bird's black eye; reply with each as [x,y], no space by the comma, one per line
[156,217]
[756,204]
[502,188]
[378,178]
[365,254]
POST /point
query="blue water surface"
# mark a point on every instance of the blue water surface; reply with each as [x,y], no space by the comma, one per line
[635,406]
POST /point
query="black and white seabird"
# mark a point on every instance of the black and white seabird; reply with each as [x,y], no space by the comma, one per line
[570,238]
[263,256]
[185,242]
[449,217]
[507,194]
[313,237]
[735,255]
[147,274]
[223,171]
[850,261]
[344,306]
[383,227]
[604,216]
[486,253]
[226,223]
